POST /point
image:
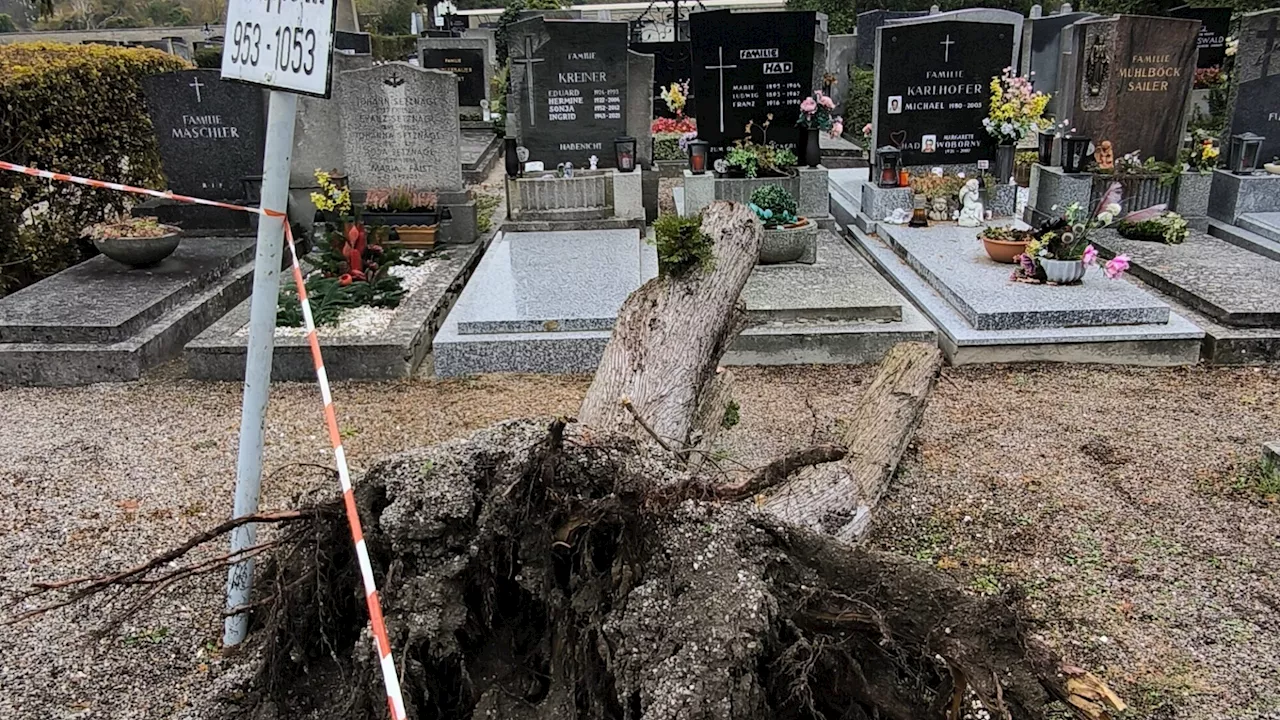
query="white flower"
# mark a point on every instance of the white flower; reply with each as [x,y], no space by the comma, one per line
[1112,209]
[1104,217]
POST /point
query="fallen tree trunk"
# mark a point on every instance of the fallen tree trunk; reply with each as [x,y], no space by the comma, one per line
[547,569]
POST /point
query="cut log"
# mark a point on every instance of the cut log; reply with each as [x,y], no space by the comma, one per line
[669,337]
[838,498]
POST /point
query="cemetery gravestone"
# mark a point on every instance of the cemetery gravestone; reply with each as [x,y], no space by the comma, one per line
[210,132]
[400,127]
[747,66]
[868,23]
[355,43]
[1257,74]
[841,53]
[464,57]
[1215,26]
[569,89]
[673,62]
[1133,78]
[933,82]
[1042,53]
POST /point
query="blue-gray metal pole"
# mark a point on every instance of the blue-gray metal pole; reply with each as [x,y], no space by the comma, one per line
[257,371]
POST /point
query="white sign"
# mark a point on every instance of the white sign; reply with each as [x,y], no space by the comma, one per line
[281,44]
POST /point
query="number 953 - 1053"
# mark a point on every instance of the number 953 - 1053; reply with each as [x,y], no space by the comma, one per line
[295,47]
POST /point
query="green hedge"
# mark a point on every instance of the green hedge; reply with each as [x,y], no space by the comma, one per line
[77,109]
[861,98]
[393,47]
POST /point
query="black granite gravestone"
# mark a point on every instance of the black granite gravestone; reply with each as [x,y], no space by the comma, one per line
[1215,26]
[571,77]
[672,62]
[867,23]
[467,64]
[210,132]
[1042,56]
[747,66]
[1257,96]
[933,89]
[360,43]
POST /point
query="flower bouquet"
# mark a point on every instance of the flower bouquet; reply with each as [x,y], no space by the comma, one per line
[1016,109]
[1061,252]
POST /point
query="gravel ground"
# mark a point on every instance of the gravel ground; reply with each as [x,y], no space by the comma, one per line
[1124,508]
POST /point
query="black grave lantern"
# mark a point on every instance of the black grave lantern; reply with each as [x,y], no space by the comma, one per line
[1242,158]
[698,156]
[1075,152]
[625,149]
[1045,147]
[513,157]
[888,158]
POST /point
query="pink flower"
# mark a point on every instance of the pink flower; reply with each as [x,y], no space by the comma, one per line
[1116,267]
[827,102]
[837,129]
[1090,255]
[808,106]
[866,129]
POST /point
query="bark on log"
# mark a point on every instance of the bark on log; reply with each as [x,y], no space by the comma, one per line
[670,335]
[837,498]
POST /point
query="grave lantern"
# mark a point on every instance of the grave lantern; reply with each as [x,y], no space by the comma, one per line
[1242,159]
[888,157]
[1075,151]
[625,148]
[698,156]
[1045,147]
[513,157]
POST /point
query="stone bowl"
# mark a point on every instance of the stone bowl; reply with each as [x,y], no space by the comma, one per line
[788,243]
[140,252]
[1003,251]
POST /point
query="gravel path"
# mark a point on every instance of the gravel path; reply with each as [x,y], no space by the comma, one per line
[1125,506]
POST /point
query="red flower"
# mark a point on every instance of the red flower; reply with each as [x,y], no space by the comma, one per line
[344,281]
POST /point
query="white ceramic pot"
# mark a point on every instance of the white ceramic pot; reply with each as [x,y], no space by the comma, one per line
[1062,271]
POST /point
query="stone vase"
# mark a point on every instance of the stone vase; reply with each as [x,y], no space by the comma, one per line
[1062,272]
[812,148]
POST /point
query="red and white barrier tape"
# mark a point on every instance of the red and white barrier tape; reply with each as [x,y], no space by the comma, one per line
[389,676]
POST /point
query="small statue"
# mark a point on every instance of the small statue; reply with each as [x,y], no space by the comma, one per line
[568,169]
[1104,156]
[560,170]
[938,209]
[593,160]
[971,212]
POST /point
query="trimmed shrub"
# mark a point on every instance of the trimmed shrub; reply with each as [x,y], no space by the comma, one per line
[393,47]
[858,104]
[77,109]
[209,57]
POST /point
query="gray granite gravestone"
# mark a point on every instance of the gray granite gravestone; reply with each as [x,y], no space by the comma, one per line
[400,127]
[210,132]
[569,89]
[841,53]
[933,77]
[1042,53]
[868,22]
[468,58]
[1256,104]
[317,131]
[1133,77]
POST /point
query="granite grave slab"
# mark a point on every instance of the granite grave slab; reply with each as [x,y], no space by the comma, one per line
[1256,94]
[1227,283]
[932,84]
[400,127]
[749,65]
[1134,76]
[1266,224]
[101,321]
[210,132]
[952,261]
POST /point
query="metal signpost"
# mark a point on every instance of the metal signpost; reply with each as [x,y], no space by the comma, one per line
[285,45]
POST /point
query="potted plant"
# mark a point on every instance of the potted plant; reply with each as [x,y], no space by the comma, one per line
[749,159]
[1154,225]
[1060,252]
[411,213]
[786,236]
[1005,244]
[134,241]
[1015,112]
[815,117]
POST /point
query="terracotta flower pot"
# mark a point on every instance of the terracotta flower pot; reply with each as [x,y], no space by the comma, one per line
[1003,251]
[417,237]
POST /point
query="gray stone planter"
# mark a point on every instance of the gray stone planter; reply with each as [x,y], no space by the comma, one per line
[1062,271]
[1191,198]
[784,245]
[139,252]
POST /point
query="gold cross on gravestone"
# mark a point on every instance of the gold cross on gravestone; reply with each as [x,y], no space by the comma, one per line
[721,67]
[528,61]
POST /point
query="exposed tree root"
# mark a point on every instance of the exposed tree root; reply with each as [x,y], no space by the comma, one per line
[535,573]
